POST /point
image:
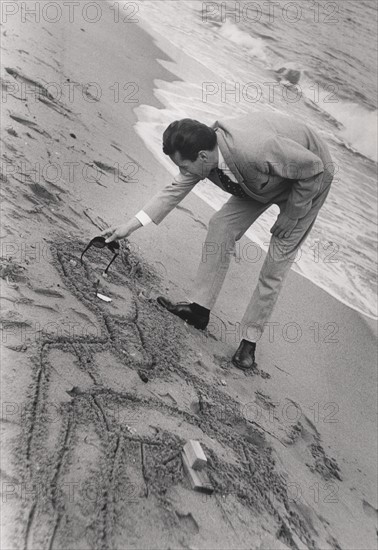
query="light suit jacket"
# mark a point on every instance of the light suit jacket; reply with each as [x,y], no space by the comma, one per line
[273,157]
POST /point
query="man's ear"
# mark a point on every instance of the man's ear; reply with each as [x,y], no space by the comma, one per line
[203,155]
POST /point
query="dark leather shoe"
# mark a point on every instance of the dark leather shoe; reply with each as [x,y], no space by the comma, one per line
[192,313]
[244,357]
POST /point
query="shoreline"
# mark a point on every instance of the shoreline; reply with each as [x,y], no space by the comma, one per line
[84,373]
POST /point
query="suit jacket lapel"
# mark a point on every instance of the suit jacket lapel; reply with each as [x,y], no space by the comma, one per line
[223,146]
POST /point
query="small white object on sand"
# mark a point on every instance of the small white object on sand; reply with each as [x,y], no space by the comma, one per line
[195,455]
[199,479]
[104,298]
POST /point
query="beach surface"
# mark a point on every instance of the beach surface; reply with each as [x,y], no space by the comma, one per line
[98,398]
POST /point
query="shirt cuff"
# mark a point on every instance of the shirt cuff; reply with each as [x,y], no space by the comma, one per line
[143,217]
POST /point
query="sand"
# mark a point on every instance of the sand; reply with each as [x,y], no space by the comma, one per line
[99,398]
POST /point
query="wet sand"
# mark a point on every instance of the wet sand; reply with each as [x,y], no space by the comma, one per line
[98,398]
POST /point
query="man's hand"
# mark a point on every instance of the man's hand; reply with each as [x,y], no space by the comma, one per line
[283,226]
[118,232]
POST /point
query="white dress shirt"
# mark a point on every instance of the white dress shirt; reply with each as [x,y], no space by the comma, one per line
[145,218]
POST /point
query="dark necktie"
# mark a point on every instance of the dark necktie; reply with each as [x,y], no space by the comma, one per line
[229,185]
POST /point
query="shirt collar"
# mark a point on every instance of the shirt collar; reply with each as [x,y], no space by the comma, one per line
[221,161]
[223,166]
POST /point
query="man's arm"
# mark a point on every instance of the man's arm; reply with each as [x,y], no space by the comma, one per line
[143,217]
[169,197]
[122,231]
[156,209]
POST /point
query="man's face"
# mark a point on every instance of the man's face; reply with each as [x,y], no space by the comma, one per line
[201,167]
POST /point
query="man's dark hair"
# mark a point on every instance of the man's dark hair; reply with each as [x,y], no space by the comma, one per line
[188,137]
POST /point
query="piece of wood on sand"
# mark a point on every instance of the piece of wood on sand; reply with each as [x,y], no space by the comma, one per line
[199,479]
[195,455]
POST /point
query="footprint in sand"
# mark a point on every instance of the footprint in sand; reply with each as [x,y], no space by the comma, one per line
[305,438]
[42,93]
[30,124]
[116,172]
[35,85]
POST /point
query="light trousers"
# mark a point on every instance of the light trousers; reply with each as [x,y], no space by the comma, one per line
[226,227]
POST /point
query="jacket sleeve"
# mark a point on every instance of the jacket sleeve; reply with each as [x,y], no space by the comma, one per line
[169,197]
[290,160]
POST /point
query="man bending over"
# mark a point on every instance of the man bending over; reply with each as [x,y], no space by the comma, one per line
[260,159]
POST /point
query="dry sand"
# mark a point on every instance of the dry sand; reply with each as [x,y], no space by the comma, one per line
[97,398]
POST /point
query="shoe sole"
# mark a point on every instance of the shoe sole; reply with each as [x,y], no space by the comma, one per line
[192,324]
[252,367]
